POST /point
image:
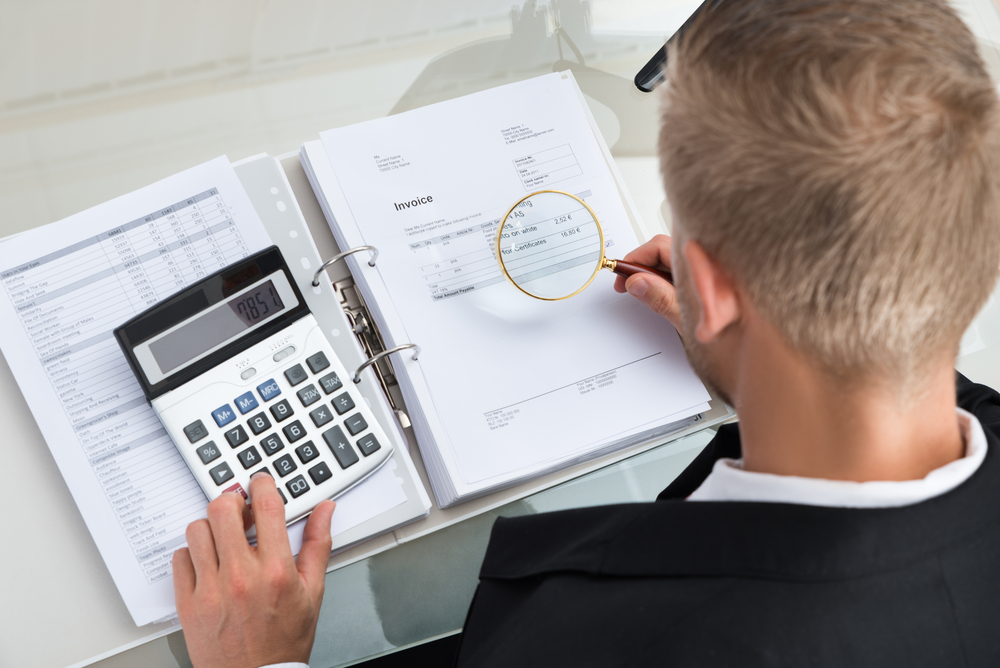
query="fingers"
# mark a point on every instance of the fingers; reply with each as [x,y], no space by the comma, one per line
[269,515]
[225,517]
[184,575]
[657,294]
[201,549]
[316,543]
[654,253]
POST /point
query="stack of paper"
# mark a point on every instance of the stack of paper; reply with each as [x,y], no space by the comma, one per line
[506,388]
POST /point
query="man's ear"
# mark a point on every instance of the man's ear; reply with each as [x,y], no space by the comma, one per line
[718,298]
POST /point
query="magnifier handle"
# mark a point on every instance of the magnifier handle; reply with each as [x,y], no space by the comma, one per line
[623,268]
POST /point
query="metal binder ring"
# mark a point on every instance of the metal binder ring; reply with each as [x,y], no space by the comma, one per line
[371,262]
[376,358]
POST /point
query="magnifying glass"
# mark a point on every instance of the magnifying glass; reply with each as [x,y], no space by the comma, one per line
[550,246]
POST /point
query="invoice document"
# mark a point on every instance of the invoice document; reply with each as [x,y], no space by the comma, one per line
[65,287]
[516,384]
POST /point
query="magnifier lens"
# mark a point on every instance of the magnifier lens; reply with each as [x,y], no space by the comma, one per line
[550,245]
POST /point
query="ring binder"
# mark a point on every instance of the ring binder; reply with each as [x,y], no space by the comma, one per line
[350,251]
[375,358]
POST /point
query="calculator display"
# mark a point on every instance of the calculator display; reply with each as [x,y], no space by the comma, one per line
[216,326]
[252,307]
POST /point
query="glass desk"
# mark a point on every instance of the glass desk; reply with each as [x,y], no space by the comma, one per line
[101,98]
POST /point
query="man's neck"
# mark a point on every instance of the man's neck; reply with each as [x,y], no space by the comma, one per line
[795,420]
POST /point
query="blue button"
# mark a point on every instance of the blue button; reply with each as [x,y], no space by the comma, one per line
[246,402]
[223,415]
[269,390]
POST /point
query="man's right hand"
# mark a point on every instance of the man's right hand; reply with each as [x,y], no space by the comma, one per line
[653,291]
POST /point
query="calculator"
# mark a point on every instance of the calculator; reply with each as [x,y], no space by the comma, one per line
[244,380]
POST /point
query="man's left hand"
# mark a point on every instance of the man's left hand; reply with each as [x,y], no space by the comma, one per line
[243,606]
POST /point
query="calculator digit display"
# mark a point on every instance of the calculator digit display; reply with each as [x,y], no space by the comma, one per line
[216,326]
[252,307]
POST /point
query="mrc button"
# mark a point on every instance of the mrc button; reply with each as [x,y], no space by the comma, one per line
[268,390]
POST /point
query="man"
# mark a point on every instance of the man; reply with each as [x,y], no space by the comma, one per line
[831,165]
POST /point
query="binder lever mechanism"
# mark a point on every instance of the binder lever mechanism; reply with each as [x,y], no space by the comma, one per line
[371,343]
[385,353]
[340,256]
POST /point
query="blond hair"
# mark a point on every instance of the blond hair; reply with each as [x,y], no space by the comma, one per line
[839,158]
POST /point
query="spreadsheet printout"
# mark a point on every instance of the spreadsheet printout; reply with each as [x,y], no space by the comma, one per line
[60,306]
[132,487]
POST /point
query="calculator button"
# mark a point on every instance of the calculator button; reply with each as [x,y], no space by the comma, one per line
[317,362]
[208,452]
[368,444]
[282,496]
[281,410]
[340,447]
[246,403]
[343,403]
[238,488]
[263,470]
[320,473]
[221,473]
[285,465]
[297,486]
[259,423]
[249,457]
[321,416]
[237,436]
[309,395]
[284,353]
[195,431]
[249,373]
[223,415]
[330,383]
[307,452]
[296,374]
[356,424]
[294,431]
[268,390]
[271,444]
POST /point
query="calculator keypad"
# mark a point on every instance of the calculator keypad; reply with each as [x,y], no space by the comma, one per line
[318,362]
[321,416]
[237,436]
[195,431]
[249,457]
[297,486]
[309,395]
[296,374]
[281,410]
[295,420]
[221,473]
[259,423]
[285,465]
[209,452]
[330,383]
[307,452]
[294,431]
[343,403]
[272,444]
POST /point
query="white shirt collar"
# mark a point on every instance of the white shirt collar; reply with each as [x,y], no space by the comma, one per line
[729,482]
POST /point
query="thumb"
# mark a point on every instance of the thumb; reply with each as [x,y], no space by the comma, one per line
[316,545]
[657,294]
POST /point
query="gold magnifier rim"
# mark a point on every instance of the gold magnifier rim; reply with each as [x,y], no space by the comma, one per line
[503,268]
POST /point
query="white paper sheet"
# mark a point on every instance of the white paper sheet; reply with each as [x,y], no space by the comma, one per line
[517,383]
[63,288]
